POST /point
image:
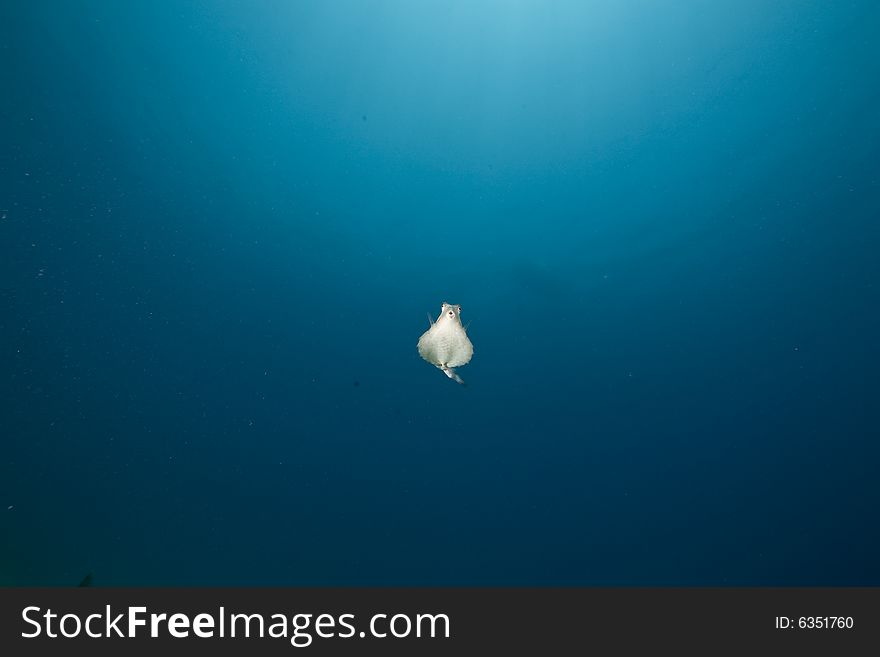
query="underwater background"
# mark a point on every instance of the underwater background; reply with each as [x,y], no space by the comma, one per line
[223,226]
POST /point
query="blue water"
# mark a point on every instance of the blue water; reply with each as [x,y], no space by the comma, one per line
[223,226]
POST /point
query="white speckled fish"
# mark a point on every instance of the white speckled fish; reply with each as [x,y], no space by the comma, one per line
[446,344]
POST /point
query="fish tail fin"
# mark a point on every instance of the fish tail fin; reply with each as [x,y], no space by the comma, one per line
[448,371]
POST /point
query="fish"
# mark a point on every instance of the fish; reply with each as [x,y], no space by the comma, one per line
[446,344]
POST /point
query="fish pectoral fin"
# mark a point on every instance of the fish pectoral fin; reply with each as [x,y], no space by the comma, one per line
[430,321]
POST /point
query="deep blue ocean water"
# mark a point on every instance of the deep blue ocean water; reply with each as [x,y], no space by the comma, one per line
[223,226]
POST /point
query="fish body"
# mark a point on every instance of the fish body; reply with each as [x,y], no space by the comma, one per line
[446,344]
